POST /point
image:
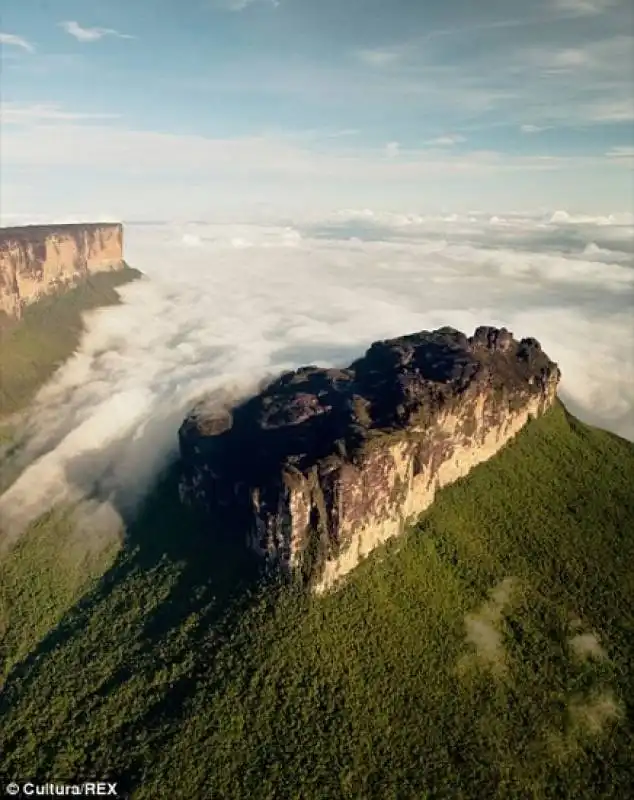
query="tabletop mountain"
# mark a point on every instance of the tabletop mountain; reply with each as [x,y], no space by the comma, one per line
[323,465]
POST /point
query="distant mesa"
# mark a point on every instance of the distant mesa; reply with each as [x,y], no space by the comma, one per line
[36,260]
[324,465]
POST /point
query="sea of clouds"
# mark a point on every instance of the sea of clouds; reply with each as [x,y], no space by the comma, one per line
[225,305]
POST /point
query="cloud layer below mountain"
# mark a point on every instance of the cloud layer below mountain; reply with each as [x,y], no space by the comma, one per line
[225,305]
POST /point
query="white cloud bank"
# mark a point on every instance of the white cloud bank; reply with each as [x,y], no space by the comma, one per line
[164,171]
[226,304]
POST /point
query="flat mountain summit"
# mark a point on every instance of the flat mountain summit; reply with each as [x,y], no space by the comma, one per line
[323,465]
[37,260]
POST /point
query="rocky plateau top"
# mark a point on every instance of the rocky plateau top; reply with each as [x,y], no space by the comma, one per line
[292,463]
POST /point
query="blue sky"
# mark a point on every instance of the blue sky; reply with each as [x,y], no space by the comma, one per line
[200,107]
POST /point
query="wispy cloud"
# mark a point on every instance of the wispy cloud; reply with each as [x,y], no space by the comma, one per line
[446,141]
[281,173]
[621,152]
[17,114]
[605,56]
[70,143]
[622,155]
[609,110]
[378,57]
[545,85]
[584,7]
[343,132]
[570,58]
[91,34]
[241,5]
[551,80]
[12,40]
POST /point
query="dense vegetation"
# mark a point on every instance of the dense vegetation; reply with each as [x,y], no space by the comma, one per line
[486,654]
[32,349]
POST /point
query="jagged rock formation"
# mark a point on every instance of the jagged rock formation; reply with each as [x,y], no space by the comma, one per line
[39,259]
[323,465]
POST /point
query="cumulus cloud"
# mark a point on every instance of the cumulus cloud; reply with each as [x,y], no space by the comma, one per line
[225,305]
[12,40]
[91,34]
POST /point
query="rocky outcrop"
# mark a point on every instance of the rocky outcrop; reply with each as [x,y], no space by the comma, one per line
[39,259]
[323,465]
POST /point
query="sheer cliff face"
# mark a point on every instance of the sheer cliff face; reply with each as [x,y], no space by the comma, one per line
[324,465]
[38,259]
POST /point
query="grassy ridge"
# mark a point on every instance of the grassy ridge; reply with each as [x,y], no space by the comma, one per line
[32,349]
[485,654]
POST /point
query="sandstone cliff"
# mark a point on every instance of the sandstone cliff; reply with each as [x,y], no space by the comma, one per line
[38,259]
[326,464]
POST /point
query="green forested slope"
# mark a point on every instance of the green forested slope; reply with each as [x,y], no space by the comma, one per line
[486,654]
[31,350]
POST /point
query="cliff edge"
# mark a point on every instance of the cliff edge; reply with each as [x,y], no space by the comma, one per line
[39,259]
[323,465]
